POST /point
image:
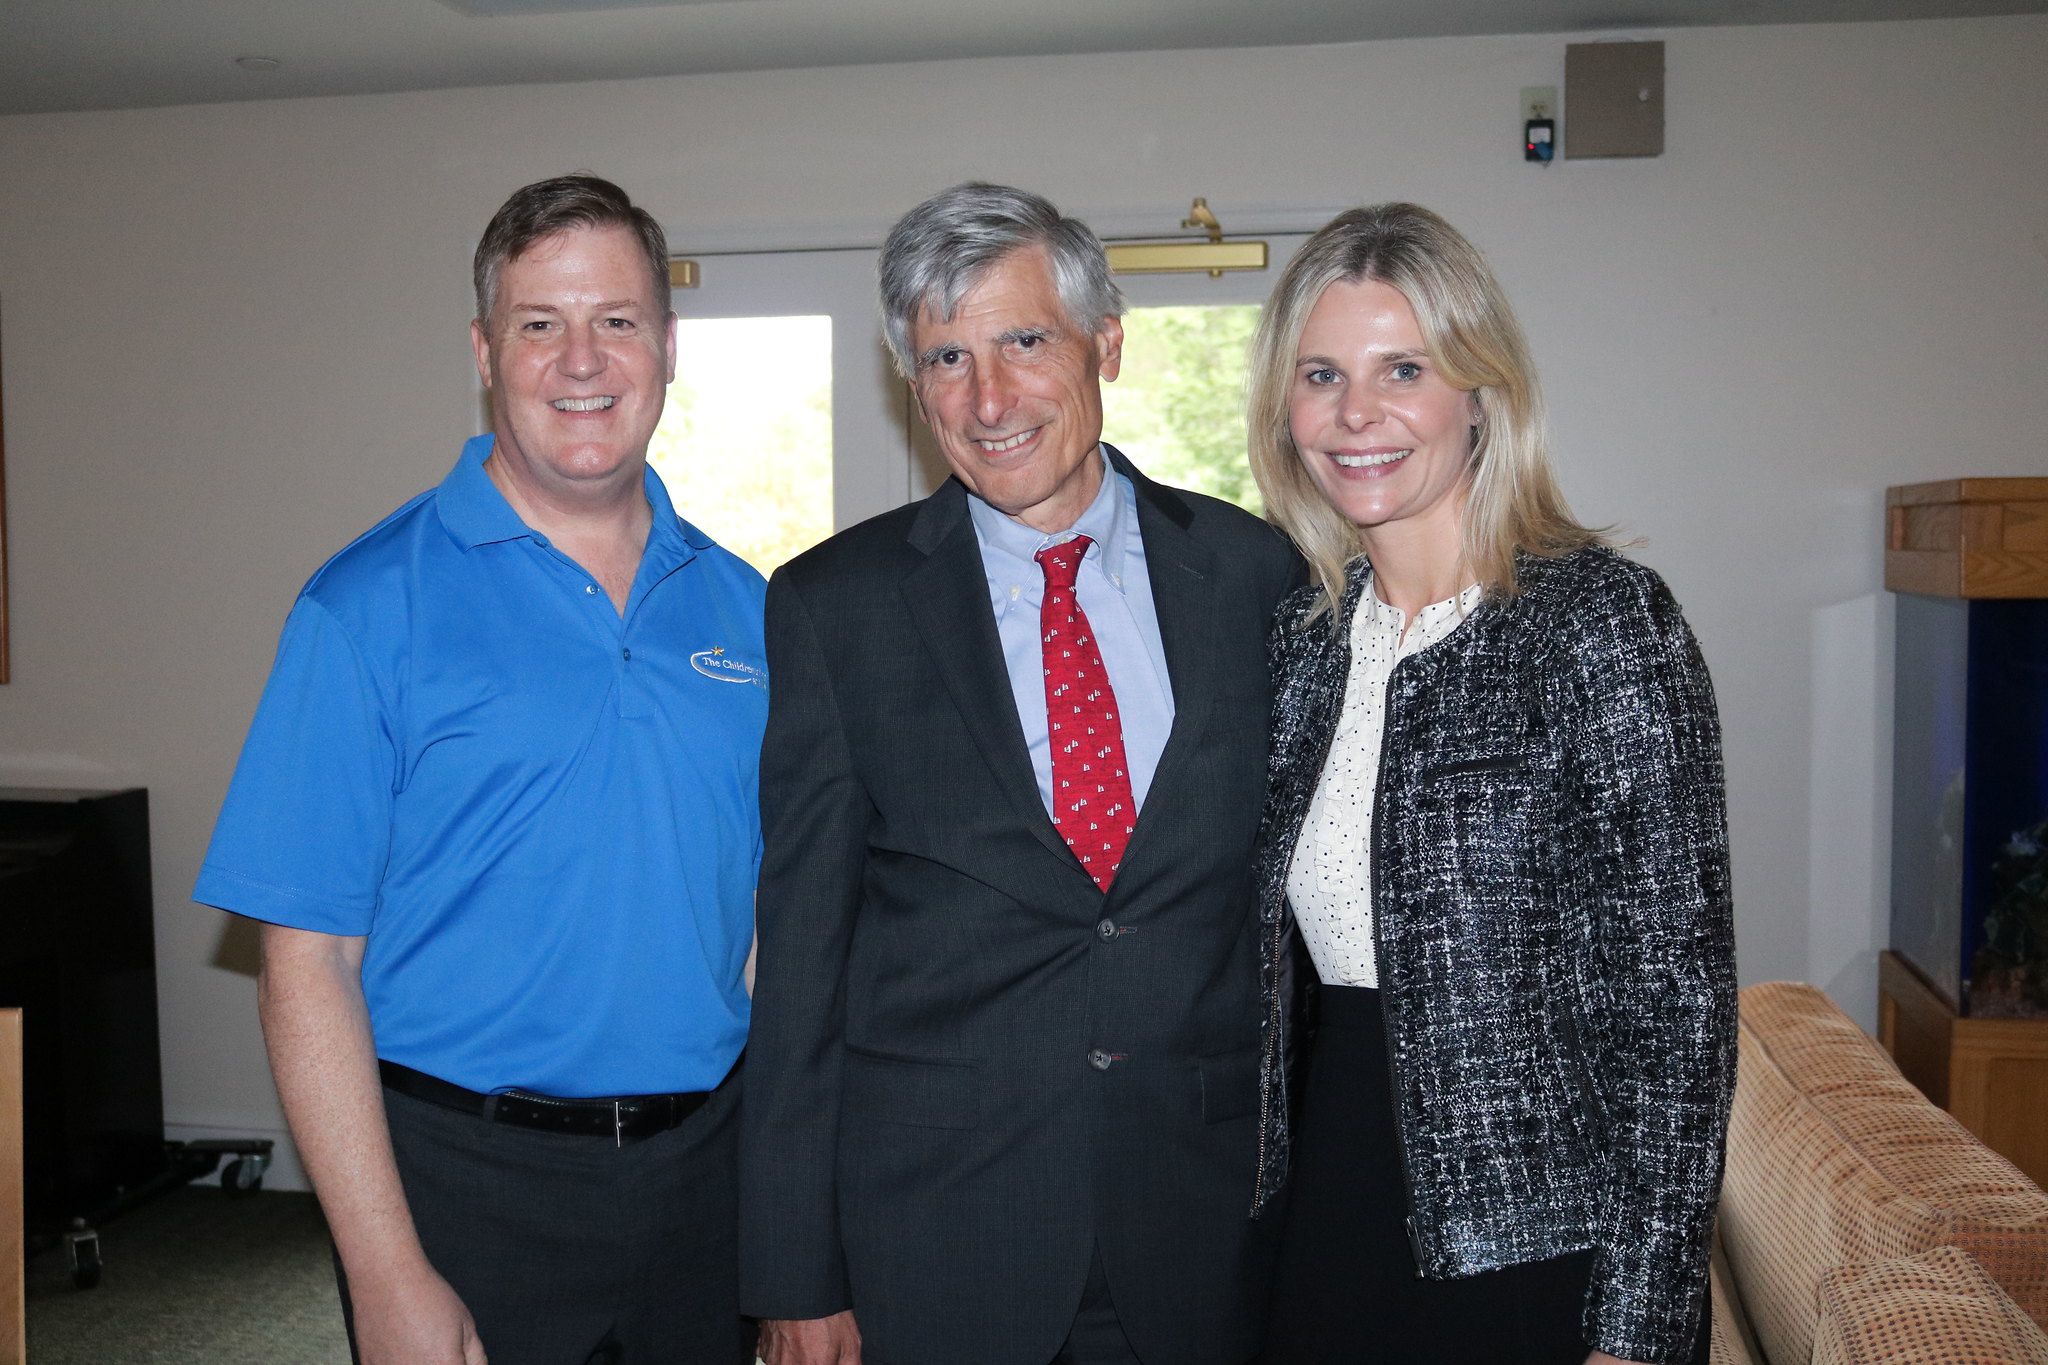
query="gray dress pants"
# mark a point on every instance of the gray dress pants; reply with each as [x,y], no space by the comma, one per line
[571,1250]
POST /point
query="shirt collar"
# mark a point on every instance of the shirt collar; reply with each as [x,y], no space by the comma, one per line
[1108,522]
[1431,623]
[671,541]
[471,507]
[476,513]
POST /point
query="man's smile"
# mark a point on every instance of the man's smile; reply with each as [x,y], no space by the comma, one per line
[1008,443]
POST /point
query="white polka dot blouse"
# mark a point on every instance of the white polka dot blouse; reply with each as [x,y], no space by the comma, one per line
[1329,880]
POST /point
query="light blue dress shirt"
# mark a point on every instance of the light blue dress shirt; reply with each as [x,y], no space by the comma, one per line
[1115,591]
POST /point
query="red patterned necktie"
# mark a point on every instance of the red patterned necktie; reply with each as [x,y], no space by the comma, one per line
[1091,787]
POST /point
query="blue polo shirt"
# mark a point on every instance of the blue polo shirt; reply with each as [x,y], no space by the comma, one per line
[543,816]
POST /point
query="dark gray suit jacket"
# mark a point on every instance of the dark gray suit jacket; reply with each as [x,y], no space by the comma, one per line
[969,1068]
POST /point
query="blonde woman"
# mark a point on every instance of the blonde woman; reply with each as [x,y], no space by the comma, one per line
[1498,955]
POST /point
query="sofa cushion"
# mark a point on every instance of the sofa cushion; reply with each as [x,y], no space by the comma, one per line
[1732,1342]
[1834,1159]
[1936,1307]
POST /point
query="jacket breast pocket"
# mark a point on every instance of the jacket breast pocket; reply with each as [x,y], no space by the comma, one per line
[1479,829]
[1496,763]
[918,1091]
[1230,1085]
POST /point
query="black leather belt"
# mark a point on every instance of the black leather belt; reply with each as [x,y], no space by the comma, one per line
[622,1118]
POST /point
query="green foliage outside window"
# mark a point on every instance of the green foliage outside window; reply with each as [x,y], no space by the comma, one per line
[745,447]
[1177,409]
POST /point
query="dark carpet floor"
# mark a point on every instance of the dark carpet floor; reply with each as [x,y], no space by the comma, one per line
[196,1278]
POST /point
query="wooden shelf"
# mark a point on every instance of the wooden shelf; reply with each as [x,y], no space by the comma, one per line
[1967,538]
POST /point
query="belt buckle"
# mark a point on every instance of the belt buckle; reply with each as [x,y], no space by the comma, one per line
[618,1125]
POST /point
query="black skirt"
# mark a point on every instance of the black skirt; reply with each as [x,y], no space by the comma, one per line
[1348,1290]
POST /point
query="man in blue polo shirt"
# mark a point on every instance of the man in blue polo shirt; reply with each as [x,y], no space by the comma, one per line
[497,815]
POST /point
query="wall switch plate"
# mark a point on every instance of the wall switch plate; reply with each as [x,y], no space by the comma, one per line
[1539,101]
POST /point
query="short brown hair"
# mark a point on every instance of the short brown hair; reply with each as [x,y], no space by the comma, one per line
[547,207]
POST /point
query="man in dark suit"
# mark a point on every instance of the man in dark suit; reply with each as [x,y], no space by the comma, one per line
[1002,1096]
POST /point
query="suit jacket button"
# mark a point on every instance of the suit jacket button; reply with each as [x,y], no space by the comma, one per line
[1107,929]
[1100,1060]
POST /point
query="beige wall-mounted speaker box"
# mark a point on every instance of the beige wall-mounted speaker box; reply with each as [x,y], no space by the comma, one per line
[1613,99]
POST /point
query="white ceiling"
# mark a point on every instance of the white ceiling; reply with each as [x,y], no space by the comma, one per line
[122,54]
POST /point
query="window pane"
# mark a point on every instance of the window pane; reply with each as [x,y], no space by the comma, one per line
[1177,408]
[745,443]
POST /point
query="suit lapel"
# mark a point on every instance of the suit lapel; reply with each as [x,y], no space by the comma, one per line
[1184,588]
[947,597]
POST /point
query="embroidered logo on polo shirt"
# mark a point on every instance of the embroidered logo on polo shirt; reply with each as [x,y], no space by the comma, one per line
[716,663]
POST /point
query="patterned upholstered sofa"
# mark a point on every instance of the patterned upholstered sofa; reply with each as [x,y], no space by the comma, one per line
[1859,1223]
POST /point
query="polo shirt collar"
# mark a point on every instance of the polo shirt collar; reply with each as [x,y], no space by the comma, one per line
[470,505]
[671,541]
[476,513]
[1107,521]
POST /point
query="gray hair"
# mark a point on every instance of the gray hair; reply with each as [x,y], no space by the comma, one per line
[943,247]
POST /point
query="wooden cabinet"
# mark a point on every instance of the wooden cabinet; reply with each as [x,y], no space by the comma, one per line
[1991,1074]
[1960,1006]
[78,957]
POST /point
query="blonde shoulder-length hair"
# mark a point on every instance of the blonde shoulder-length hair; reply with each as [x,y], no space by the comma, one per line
[1471,333]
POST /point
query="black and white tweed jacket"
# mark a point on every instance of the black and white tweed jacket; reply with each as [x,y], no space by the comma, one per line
[1553,931]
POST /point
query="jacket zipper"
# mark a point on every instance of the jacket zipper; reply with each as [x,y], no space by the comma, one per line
[1590,1108]
[1379,792]
[1274,1008]
[1266,1073]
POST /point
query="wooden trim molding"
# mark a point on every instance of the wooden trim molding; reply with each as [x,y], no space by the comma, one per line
[13,1232]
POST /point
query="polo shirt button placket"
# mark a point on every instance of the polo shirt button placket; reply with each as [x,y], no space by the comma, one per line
[630,702]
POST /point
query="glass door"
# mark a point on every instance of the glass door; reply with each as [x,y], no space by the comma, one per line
[1177,408]
[786,421]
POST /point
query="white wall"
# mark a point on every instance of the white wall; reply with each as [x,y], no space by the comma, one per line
[234,337]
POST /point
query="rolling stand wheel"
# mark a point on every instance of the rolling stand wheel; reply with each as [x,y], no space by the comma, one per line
[82,1247]
[244,1175]
[247,1159]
